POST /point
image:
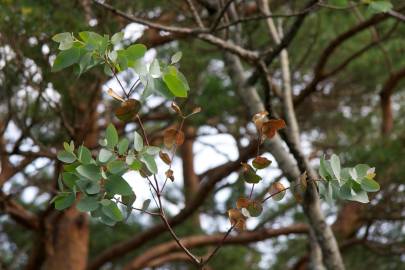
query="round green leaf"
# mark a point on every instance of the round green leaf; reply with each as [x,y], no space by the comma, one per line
[89,171]
[369,185]
[112,211]
[87,204]
[116,166]
[66,157]
[115,184]
[111,136]
[104,155]
[64,201]
[66,58]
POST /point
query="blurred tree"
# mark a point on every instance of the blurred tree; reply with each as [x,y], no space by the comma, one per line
[337,62]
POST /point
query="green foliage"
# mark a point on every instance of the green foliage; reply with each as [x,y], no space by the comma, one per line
[346,183]
[90,49]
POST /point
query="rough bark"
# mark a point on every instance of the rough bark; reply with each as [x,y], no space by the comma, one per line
[67,238]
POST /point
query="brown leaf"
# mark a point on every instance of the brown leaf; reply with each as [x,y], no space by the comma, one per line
[237,219]
[196,110]
[242,203]
[277,191]
[176,108]
[271,126]
[169,174]
[172,136]
[128,110]
[179,137]
[114,95]
[259,118]
[165,157]
[261,162]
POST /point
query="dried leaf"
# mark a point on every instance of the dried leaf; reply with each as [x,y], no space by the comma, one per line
[114,95]
[172,136]
[179,137]
[242,203]
[176,108]
[261,162]
[169,174]
[259,118]
[128,110]
[237,219]
[271,126]
[277,191]
[165,157]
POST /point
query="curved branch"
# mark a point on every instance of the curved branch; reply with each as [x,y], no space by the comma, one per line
[208,240]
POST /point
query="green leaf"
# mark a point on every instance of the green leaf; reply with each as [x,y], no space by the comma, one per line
[106,220]
[104,155]
[255,208]
[156,86]
[138,142]
[335,164]
[325,170]
[62,37]
[84,155]
[116,166]
[136,165]
[150,163]
[64,201]
[380,6]
[145,204]
[361,170]
[369,185]
[111,136]
[117,185]
[69,179]
[87,204]
[66,157]
[152,150]
[128,201]
[176,57]
[123,146]
[85,62]
[117,37]
[89,171]
[154,69]
[112,211]
[175,84]
[92,187]
[66,58]
[135,52]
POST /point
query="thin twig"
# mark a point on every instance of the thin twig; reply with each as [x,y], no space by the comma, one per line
[219,17]
[219,245]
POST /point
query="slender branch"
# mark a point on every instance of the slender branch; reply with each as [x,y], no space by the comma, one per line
[220,15]
[197,17]
[218,246]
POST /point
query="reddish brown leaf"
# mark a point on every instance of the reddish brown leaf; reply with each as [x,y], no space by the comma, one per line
[259,119]
[271,126]
[176,108]
[261,162]
[237,219]
[242,203]
[172,136]
[128,110]
[165,157]
[169,174]
[277,191]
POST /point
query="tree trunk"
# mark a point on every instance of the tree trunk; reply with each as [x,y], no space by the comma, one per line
[66,240]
